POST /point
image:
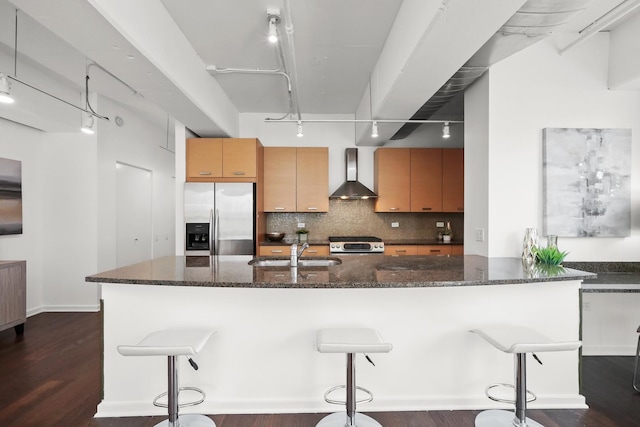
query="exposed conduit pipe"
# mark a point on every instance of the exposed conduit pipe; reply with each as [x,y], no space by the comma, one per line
[288,26]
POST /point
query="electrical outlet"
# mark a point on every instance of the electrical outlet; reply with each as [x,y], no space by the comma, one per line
[586,305]
[395,224]
[440,224]
[301,225]
[479,234]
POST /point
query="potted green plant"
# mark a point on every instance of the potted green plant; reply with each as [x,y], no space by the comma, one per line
[549,256]
[302,235]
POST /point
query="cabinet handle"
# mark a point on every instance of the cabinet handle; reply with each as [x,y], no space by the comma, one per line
[433,251]
[426,209]
[312,251]
[205,173]
[393,209]
[276,251]
[238,173]
[400,250]
[312,208]
[278,208]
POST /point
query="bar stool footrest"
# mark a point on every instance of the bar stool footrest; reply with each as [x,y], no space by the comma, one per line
[530,396]
[181,405]
[342,402]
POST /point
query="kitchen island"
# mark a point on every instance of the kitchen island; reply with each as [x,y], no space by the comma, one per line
[263,357]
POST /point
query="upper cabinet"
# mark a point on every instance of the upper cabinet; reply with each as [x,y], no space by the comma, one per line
[222,159]
[296,179]
[392,179]
[419,179]
[453,180]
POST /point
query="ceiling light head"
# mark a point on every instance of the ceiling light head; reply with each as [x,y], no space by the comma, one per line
[273,15]
[5,90]
[87,123]
[445,130]
[300,134]
[374,129]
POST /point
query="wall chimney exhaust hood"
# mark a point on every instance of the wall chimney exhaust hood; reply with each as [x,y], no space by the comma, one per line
[352,189]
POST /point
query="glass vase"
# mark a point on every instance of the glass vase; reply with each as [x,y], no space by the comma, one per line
[528,244]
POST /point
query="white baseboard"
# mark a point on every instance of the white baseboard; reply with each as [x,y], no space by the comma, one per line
[63,308]
[429,403]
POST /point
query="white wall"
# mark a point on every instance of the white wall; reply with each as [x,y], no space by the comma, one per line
[25,144]
[532,90]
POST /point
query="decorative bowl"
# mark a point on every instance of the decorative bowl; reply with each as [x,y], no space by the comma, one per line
[275,236]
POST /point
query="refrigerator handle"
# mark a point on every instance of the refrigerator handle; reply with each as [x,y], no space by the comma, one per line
[216,233]
[212,231]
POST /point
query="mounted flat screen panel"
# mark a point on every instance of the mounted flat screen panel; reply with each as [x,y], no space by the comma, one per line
[10,196]
[587,182]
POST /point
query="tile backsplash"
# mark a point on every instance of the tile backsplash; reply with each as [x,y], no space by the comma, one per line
[357,218]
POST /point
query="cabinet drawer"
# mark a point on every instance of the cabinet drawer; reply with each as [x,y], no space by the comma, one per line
[317,250]
[274,251]
[457,250]
[434,250]
[401,250]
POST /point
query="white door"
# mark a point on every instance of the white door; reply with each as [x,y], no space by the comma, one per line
[133,215]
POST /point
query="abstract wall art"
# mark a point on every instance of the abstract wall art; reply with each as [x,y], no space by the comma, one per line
[587,179]
[10,196]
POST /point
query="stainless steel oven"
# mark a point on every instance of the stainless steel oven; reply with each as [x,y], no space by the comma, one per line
[355,245]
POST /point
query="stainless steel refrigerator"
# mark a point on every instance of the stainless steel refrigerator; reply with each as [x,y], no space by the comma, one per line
[219,218]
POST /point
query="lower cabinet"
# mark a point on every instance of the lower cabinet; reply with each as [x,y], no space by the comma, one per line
[285,250]
[424,250]
[13,295]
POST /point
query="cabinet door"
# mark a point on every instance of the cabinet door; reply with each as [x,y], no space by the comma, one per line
[274,251]
[317,250]
[401,250]
[457,250]
[13,302]
[426,180]
[312,173]
[453,180]
[280,179]
[204,158]
[434,250]
[239,157]
[392,176]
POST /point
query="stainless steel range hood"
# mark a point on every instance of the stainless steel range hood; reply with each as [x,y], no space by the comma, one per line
[352,188]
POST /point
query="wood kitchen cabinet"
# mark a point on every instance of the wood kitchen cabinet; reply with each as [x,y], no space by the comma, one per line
[419,179]
[401,250]
[392,179]
[223,159]
[434,250]
[13,295]
[296,179]
[423,250]
[453,180]
[426,180]
[285,250]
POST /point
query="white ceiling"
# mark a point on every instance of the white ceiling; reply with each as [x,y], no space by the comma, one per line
[406,49]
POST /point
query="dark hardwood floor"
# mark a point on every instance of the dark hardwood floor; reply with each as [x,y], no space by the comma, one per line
[50,376]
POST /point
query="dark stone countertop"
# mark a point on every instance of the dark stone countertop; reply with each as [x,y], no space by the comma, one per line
[390,242]
[356,271]
[612,276]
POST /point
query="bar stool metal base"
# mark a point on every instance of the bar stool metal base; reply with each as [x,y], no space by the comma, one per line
[500,418]
[339,419]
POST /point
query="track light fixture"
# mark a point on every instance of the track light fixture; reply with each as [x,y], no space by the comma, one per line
[5,90]
[87,123]
[374,129]
[274,18]
[300,134]
[445,130]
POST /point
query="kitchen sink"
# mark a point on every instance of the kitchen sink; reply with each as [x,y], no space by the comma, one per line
[304,262]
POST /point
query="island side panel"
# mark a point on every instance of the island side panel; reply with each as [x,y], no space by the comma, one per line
[263,358]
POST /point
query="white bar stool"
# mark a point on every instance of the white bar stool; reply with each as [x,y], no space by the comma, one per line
[350,341]
[519,341]
[173,343]
[636,386]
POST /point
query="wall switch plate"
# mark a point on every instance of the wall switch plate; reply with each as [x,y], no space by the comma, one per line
[301,225]
[440,224]
[479,234]
[395,224]
[586,305]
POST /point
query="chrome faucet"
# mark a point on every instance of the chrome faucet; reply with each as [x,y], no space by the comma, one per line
[297,253]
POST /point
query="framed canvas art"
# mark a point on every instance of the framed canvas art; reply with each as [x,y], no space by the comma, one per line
[587,176]
[10,196]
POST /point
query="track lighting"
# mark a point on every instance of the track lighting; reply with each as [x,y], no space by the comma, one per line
[445,130]
[87,123]
[374,129]
[5,90]
[274,17]
[300,134]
